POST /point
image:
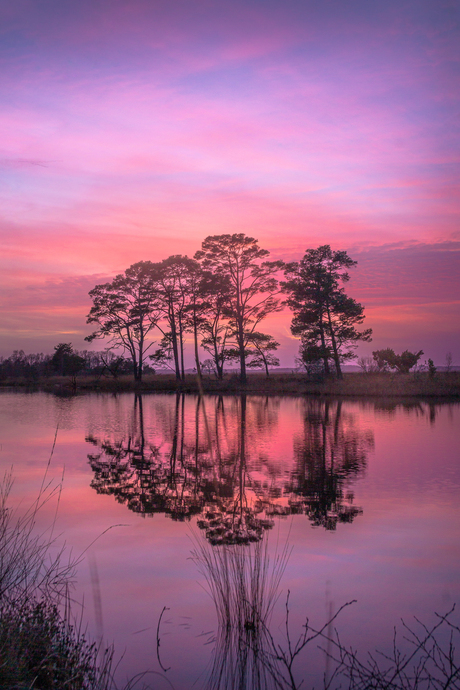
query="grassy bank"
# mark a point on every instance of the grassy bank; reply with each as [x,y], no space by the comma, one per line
[419,384]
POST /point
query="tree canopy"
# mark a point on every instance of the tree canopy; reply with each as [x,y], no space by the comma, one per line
[387,359]
[253,285]
[325,318]
[126,310]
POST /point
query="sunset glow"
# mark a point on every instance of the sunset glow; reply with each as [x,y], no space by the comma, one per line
[132,130]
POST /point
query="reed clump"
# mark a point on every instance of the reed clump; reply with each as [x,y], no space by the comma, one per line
[40,647]
[244,583]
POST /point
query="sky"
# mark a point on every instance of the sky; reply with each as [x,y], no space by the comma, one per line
[132,130]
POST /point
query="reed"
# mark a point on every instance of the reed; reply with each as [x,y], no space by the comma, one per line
[243,582]
[244,586]
[42,645]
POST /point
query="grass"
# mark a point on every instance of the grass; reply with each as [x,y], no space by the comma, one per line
[42,647]
[244,587]
[418,384]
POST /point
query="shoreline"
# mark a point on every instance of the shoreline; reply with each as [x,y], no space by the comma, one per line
[359,385]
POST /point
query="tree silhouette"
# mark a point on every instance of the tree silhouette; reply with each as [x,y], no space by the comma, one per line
[325,318]
[330,453]
[126,311]
[387,359]
[176,289]
[214,324]
[262,348]
[252,283]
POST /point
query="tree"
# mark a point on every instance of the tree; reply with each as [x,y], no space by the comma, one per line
[261,350]
[387,359]
[324,316]
[112,363]
[126,311]
[214,324]
[176,286]
[163,356]
[253,286]
[384,359]
[65,361]
[207,366]
[311,357]
[431,368]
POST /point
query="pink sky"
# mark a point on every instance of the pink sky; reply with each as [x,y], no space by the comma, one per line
[131,131]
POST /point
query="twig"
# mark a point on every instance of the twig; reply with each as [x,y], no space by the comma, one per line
[165,608]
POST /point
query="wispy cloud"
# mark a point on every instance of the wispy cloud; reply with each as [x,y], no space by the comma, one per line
[132,129]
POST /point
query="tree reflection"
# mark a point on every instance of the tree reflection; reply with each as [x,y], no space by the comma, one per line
[205,456]
[331,452]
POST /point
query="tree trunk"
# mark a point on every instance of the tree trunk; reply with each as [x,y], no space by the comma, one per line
[174,344]
[266,365]
[135,369]
[243,377]
[181,346]
[140,361]
[334,346]
[325,357]
[218,362]
[195,338]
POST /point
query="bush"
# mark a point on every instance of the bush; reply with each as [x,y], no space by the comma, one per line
[387,359]
[40,649]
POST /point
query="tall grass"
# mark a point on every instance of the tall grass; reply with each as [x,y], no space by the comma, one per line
[40,645]
[243,583]
[28,566]
[244,586]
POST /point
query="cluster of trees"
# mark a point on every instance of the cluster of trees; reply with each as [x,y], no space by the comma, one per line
[221,296]
[387,360]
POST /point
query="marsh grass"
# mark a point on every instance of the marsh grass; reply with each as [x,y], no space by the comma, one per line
[243,583]
[444,384]
[43,646]
[244,586]
[31,564]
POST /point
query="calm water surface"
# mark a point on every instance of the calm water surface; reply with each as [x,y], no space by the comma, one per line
[364,495]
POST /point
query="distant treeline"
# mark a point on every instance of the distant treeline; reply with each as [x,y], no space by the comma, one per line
[64,362]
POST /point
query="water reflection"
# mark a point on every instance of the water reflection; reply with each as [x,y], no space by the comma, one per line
[244,587]
[331,451]
[206,456]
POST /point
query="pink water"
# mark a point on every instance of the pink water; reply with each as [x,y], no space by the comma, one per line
[367,494]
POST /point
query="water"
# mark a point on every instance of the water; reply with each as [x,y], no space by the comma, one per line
[364,495]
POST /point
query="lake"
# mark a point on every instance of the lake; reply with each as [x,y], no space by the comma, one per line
[173,499]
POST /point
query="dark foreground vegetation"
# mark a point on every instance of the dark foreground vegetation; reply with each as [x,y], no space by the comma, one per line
[41,646]
[418,384]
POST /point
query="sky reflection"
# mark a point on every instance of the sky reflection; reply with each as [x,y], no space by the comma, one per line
[398,557]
